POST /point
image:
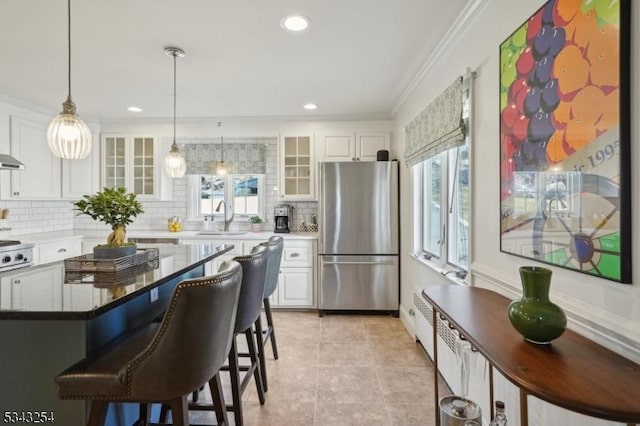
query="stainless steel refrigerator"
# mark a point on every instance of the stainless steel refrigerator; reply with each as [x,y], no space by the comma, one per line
[358,236]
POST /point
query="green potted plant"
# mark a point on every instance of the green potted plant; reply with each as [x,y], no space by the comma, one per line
[256,223]
[116,208]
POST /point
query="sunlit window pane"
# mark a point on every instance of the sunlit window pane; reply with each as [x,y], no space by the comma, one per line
[245,194]
[432,182]
[211,193]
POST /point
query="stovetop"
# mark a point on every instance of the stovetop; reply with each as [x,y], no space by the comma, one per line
[15,254]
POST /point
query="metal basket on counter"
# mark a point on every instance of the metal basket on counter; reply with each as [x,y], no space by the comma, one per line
[88,262]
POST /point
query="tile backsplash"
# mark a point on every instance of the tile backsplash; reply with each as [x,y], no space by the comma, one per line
[27,217]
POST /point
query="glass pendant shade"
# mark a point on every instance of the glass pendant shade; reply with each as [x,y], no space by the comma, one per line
[175,163]
[68,136]
[220,168]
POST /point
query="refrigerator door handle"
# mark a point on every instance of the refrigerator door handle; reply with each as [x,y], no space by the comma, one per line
[384,262]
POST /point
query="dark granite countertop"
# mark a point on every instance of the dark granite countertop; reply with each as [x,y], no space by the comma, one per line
[48,292]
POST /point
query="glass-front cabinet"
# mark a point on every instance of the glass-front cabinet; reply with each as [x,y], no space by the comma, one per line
[114,163]
[297,171]
[132,162]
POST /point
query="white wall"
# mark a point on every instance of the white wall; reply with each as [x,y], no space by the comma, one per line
[603,310]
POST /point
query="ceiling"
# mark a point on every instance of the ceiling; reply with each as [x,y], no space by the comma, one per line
[355,60]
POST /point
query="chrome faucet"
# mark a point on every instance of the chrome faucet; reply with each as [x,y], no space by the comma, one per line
[227,222]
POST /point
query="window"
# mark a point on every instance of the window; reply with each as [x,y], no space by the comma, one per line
[444,207]
[244,192]
[442,197]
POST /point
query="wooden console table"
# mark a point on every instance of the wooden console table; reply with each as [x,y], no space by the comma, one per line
[573,372]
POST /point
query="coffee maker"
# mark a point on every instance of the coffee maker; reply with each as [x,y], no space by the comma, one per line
[283,218]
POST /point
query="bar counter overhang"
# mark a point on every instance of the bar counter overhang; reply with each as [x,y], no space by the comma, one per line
[43,332]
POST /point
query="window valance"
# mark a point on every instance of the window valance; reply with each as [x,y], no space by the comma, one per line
[438,128]
[246,155]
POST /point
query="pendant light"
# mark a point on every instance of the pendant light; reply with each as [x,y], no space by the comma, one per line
[174,162]
[68,136]
[220,167]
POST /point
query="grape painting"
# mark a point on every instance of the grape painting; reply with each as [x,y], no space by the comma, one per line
[560,124]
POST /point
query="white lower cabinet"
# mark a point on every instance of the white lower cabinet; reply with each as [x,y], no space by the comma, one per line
[296,280]
[33,289]
[295,287]
[58,250]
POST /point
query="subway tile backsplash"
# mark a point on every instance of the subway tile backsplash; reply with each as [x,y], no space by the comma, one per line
[26,217]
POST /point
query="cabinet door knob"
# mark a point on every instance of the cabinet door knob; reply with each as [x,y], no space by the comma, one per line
[16,281]
[353,158]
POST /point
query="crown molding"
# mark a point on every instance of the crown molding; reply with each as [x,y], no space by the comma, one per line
[459,26]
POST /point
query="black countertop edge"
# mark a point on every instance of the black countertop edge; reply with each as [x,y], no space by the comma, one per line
[86,315]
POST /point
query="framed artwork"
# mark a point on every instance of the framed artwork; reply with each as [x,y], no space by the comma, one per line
[565,158]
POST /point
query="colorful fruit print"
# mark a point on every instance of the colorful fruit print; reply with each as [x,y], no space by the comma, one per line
[578,133]
[585,106]
[566,10]
[581,29]
[559,80]
[602,53]
[555,149]
[571,70]
[610,111]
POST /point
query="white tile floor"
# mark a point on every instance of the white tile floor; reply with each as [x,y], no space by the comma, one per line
[339,370]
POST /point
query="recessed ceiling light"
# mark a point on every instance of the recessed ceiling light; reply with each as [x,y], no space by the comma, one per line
[295,23]
[134,109]
[310,106]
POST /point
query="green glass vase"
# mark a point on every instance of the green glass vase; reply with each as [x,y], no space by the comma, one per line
[534,315]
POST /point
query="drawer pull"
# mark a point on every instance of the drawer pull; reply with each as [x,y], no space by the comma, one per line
[62,250]
[295,254]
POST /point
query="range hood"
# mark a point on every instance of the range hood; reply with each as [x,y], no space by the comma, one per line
[7,162]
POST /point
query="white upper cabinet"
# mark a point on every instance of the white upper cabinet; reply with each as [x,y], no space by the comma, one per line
[341,145]
[82,177]
[297,167]
[41,177]
[134,162]
[46,177]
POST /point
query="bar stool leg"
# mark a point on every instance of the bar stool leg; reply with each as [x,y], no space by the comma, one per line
[215,385]
[98,413]
[257,375]
[143,416]
[163,413]
[260,344]
[272,335]
[236,392]
[179,411]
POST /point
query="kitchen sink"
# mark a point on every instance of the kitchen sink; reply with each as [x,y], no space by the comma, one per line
[222,233]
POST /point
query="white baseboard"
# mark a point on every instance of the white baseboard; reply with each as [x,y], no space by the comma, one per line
[407,320]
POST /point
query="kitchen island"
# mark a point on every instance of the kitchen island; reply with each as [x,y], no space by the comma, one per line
[51,318]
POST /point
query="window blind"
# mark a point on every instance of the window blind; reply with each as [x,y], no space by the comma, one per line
[437,128]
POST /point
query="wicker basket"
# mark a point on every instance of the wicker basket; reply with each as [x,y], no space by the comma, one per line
[108,279]
[88,262]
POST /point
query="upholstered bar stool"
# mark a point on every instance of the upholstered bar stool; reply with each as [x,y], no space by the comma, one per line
[254,268]
[163,362]
[274,246]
